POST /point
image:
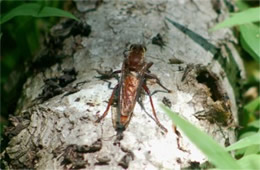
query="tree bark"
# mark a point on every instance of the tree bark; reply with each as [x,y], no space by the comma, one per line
[54,126]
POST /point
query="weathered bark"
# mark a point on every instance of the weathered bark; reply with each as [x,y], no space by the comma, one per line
[58,132]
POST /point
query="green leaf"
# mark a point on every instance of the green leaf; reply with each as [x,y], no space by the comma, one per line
[242,5]
[255,123]
[253,105]
[247,16]
[247,134]
[245,142]
[50,11]
[250,162]
[35,10]
[252,149]
[250,35]
[215,153]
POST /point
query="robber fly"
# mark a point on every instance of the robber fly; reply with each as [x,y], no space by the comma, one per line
[134,73]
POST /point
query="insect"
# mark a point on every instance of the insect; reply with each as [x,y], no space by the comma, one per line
[134,73]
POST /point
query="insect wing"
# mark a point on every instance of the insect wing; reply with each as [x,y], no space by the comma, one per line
[131,84]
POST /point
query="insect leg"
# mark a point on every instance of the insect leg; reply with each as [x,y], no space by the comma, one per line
[117,71]
[107,74]
[178,139]
[154,113]
[108,105]
[153,76]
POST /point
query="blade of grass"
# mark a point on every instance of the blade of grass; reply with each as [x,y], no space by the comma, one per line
[250,39]
[242,5]
[247,16]
[253,105]
[29,9]
[215,153]
[252,149]
[50,11]
[255,123]
[35,10]
[250,161]
[245,142]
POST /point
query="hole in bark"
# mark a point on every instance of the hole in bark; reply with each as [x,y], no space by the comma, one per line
[211,81]
[40,147]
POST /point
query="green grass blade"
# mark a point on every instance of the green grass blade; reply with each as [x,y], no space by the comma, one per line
[253,105]
[245,142]
[250,162]
[255,123]
[35,10]
[247,16]
[250,40]
[241,4]
[215,153]
[253,149]
[22,10]
[50,11]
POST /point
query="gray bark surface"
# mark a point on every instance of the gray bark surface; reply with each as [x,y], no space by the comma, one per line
[61,132]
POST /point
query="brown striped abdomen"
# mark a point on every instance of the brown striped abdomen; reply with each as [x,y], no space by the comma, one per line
[129,94]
